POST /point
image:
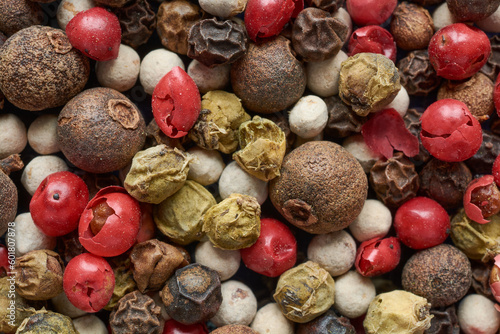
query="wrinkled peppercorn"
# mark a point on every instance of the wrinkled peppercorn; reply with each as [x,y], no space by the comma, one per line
[492,66]
[124,279]
[445,321]
[137,21]
[135,313]
[8,191]
[329,5]
[481,278]
[47,322]
[411,26]
[342,120]
[328,322]
[418,76]
[482,161]
[413,124]
[21,308]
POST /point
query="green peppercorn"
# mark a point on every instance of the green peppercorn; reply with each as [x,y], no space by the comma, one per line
[43,322]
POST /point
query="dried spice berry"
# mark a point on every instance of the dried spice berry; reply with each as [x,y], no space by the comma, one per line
[342,120]
[47,322]
[317,35]
[8,191]
[374,39]
[377,256]
[492,66]
[445,182]
[262,148]
[418,76]
[442,274]
[233,223]
[427,3]
[395,180]
[494,279]
[193,294]
[174,20]
[39,275]
[135,313]
[100,130]
[265,18]
[124,279]
[234,329]
[137,22]
[268,78]
[481,278]
[19,312]
[57,70]
[156,173]
[397,312]
[444,320]
[216,42]
[305,292]
[328,322]
[329,5]
[482,161]
[471,10]
[368,82]
[413,124]
[378,12]
[19,14]
[482,199]
[411,26]
[321,189]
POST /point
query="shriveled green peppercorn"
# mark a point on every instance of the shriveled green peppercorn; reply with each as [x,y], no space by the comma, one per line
[11,316]
[43,322]
[124,280]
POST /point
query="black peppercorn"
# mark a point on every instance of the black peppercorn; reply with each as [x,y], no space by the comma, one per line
[417,74]
[328,322]
[137,21]
[135,313]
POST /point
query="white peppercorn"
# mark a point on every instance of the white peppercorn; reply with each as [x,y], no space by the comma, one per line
[353,294]
[206,166]
[42,134]
[477,314]
[270,320]
[69,8]
[238,306]
[28,237]
[491,23]
[62,305]
[323,76]
[38,169]
[120,73]
[374,220]
[209,78]
[400,103]
[90,324]
[155,65]
[235,180]
[225,262]
[12,135]
[308,116]
[223,8]
[442,17]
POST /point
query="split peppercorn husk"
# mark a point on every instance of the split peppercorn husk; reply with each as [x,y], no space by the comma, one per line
[43,322]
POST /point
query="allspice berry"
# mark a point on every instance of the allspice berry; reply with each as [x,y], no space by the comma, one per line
[472,10]
[39,69]
[100,130]
[268,78]
[8,190]
[19,14]
[411,26]
[321,189]
[441,274]
[234,329]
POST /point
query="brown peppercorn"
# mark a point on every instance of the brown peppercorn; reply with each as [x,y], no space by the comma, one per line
[268,78]
[472,10]
[216,42]
[481,278]
[69,246]
[411,26]
[482,161]
[154,262]
[193,294]
[441,274]
[445,321]
[476,92]
[492,66]
[135,313]
[418,76]
[322,187]
[413,124]
[174,20]
[317,35]
[329,5]
[8,190]
[19,14]
[328,322]
[57,71]
[342,120]
[137,21]
[234,329]
[39,275]
[100,130]
[394,180]
[282,121]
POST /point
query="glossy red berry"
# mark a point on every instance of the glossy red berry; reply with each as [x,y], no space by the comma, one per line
[378,256]
[110,222]
[95,32]
[482,199]
[266,18]
[176,103]
[275,250]
[458,51]
[496,170]
[370,12]
[421,223]
[449,131]
[4,261]
[58,202]
[496,95]
[372,39]
[175,327]
[88,282]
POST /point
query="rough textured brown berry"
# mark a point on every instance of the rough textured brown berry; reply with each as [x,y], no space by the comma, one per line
[417,74]
[411,26]
[234,329]
[8,205]
[472,10]
[19,14]
[137,21]
[135,313]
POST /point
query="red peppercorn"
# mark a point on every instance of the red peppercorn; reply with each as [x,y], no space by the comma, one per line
[449,131]
[365,12]
[373,39]
[175,327]
[378,256]
[110,222]
[496,95]
[96,33]
[275,250]
[88,282]
[482,199]
[176,103]
[422,223]
[458,51]
[496,170]
[266,18]
[4,261]
[58,202]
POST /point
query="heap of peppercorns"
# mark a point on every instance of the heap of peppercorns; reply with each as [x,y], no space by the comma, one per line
[347,152]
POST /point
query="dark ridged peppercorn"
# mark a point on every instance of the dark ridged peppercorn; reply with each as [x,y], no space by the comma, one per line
[137,21]
[328,323]
[492,66]
[482,161]
[445,321]
[417,75]
[329,5]
[342,120]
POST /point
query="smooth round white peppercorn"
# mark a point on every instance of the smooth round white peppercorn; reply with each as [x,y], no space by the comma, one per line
[206,167]
[235,180]
[13,136]
[400,103]
[357,147]
[323,76]
[238,306]
[38,169]
[270,320]
[308,116]
[335,252]
[374,220]
[155,65]
[90,324]
[477,314]
[120,73]
[62,305]
[223,8]
[491,23]
[209,78]
[42,134]
[225,262]
[69,8]
[442,17]
[344,16]
[28,236]
[353,294]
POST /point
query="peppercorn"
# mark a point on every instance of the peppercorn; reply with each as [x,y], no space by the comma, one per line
[414,125]
[238,306]
[472,10]
[328,322]
[21,308]
[47,322]
[193,294]
[417,74]
[329,5]
[19,14]
[342,120]
[234,329]
[137,22]
[8,191]
[112,3]
[492,66]
[482,161]
[124,279]
[411,26]
[445,320]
